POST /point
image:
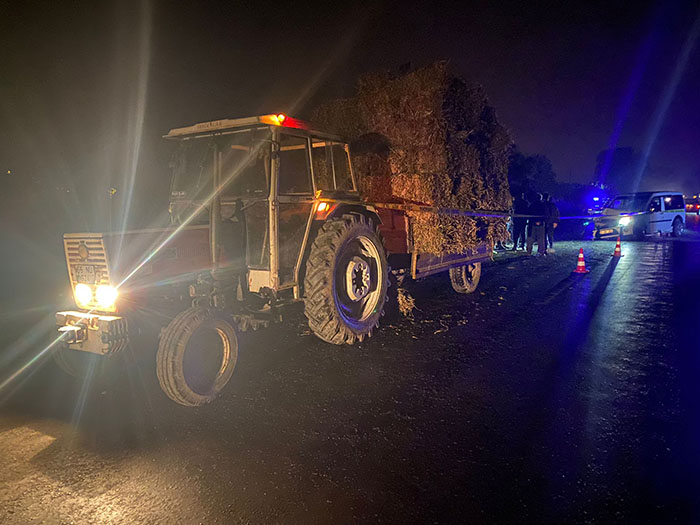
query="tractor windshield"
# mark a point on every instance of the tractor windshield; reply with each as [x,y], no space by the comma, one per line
[245,161]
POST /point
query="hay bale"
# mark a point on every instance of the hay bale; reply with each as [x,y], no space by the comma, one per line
[406,303]
[428,137]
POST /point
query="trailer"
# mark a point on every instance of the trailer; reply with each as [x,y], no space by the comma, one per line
[264,212]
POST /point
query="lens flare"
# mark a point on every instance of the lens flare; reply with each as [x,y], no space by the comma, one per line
[106,296]
[83,294]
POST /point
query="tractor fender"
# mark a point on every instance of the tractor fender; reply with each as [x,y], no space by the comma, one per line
[367,211]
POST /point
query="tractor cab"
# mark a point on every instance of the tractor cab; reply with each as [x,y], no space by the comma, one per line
[258,182]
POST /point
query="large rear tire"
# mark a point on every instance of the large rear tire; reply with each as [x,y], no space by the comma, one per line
[465,279]
[346,280]
[196,356]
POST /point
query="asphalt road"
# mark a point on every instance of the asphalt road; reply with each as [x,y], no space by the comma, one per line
[543,397]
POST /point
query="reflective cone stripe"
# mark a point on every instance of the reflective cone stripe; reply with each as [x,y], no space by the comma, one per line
[618,250]
[581,264]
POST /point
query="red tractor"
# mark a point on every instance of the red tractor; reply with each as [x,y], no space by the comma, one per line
[264,212]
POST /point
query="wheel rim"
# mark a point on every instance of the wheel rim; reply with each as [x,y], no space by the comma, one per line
[206,360]
[357,280]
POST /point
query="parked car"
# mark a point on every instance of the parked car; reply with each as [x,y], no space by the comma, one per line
[642,214]
[692,205]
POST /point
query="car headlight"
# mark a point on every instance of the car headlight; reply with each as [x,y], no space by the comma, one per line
[624,221]
[83,294]
[106,296]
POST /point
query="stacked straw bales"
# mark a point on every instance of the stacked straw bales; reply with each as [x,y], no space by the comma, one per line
[428,138]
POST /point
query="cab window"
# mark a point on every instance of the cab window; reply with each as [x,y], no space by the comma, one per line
[323,164]
[673,202]
[294,176]
[245,171]
[655,205]
[245,164]
[343,179]
[331,165]
[244,157]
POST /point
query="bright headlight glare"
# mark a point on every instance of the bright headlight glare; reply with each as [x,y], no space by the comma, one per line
[83,294]
[624,221]
[106,296]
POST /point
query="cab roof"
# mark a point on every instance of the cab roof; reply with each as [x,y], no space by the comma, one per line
[224,125]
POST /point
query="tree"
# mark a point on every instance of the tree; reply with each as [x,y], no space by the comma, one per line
[531,173]
[517,174]
[543,176]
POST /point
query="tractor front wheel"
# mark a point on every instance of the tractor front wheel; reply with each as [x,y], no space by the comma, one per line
[196,356]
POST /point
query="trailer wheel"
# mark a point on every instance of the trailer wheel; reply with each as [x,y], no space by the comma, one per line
[465,278]
[196,356]
[346,280]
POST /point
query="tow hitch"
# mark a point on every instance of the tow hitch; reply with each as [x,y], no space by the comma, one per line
[99,334]
[74,333]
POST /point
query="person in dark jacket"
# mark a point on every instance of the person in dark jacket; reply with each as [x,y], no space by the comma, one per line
[536,223]
[520,207]
[551,221]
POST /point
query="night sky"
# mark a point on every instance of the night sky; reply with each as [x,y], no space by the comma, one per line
[87,89]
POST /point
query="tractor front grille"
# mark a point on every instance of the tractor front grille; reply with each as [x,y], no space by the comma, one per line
[87,261]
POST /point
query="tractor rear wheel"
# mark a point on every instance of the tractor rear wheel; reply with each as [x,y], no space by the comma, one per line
[346,280]
[196,356]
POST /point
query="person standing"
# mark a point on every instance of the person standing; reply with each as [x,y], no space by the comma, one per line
[520,207]
[551,221]
[536,225]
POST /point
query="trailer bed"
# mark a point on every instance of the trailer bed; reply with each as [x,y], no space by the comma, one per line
[395,228]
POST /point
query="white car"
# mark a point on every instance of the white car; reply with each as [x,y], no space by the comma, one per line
[642,214]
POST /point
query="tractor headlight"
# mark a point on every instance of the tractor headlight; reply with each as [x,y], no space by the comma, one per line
[106,296]
[83,294]
[624,221]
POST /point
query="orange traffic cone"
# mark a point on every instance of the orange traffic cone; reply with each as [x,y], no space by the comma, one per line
[581,264]
[618,250]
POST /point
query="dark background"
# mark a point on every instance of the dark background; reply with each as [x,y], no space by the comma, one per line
[87,89]
[573,418]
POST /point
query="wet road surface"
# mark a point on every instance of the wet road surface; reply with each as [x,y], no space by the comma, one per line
[543,397]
